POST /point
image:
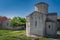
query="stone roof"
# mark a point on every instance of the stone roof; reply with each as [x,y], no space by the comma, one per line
[31,13]
[52,14]
[35,12]
[41,3]
[48,20]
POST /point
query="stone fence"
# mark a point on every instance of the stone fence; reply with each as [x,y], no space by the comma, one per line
[13,28]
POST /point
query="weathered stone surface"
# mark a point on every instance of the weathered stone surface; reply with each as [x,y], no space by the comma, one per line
[37,24]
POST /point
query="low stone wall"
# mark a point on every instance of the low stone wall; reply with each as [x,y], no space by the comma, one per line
[13,28]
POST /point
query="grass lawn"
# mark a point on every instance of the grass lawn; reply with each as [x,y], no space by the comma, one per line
[16,35]
[13,35]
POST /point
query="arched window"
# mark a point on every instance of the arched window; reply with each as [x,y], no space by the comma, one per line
[49,26]
[39,17]
[35,23]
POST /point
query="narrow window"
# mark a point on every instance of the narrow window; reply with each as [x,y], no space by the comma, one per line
[42,17]
[49,26]
[35,23]
[39,17]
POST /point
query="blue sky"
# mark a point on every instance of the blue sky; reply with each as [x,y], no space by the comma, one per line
[22,8]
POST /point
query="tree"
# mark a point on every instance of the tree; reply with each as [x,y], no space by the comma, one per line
[17,21]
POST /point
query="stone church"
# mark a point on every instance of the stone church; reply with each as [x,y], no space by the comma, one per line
[40,22]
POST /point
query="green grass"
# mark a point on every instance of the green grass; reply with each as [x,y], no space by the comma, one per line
[13,35]
[16,35]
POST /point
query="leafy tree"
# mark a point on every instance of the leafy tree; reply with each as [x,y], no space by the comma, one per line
[17,21]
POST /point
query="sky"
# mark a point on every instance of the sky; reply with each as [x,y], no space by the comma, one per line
[22,8]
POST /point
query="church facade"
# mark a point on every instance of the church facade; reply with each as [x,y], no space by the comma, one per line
[40,22]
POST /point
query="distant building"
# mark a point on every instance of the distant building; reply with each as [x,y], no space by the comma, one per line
[3,18]
[4,22]
[40,22]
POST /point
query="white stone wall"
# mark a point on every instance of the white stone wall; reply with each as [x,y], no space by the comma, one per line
[35,22]
[52,29]
[55,28]
[39,29]
[28,26]
[49,29]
